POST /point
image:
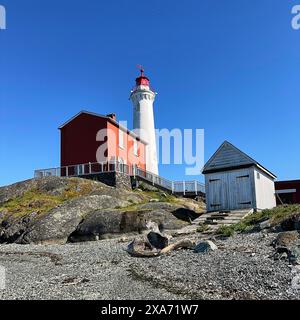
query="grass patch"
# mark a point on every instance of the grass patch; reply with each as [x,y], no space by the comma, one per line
[41,201]
[226,231]
[276,216]
[202,227]
[158,195]
[30,201]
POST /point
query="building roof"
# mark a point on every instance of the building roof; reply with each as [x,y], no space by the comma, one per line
[111,120]
[229,157]
[297,181]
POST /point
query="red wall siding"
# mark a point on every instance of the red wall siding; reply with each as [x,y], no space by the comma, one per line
[78,139]
[79,145]
[295,184]
[126,153]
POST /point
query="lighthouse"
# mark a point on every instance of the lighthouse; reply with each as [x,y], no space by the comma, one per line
[142,98]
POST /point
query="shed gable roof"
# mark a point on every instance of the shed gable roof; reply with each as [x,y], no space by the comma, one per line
[230,157]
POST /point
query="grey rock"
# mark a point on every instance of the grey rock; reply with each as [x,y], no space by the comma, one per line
[287,246]
[153,200]
[158,206]
[157,240]
[146,187]
[265,225]
[205,246]
[165,219]
[93,211]
[102,224]
[185,214]
[61,222]
[286,239]
[294,255]
[50,185]
[291,223]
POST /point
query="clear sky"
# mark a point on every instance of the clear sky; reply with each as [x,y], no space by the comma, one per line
[228,66]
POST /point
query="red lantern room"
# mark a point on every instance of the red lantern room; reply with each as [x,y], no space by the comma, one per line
[142,80]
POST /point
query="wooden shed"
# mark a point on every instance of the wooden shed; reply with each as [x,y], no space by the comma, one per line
[235,181]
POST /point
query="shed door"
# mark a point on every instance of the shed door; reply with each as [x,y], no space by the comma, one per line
[240,192]
[218,199]
[229,191]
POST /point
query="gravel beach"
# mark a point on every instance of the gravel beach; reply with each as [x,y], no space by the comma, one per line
[242,268]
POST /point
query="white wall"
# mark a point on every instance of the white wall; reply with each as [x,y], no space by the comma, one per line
[143,124]
[264,190]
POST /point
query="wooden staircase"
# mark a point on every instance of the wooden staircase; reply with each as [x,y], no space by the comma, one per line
[216,219]
[222,217]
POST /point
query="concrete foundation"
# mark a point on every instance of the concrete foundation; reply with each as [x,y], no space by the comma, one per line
[113,179]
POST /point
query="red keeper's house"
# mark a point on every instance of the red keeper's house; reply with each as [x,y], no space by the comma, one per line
[89,138]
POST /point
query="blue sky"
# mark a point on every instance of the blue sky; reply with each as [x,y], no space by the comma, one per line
[230,67]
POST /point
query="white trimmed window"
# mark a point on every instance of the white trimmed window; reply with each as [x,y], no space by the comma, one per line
[121,139]
[135,147]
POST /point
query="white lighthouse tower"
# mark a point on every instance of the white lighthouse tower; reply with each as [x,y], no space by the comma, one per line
[143,98]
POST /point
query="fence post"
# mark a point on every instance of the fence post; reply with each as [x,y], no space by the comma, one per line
[196,185]
[67,171]
[152,179]
[183,188]
[90,168]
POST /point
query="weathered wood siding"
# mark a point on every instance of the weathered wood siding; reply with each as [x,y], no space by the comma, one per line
[230,190]
[264,190]
[227,156]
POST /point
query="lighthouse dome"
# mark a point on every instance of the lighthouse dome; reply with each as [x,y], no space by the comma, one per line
[142,81]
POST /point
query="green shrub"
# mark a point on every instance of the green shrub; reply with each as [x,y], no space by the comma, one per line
[202,227]
[226,231]
[276,216]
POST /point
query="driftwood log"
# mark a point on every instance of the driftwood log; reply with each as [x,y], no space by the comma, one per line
[142,249]
[182,244]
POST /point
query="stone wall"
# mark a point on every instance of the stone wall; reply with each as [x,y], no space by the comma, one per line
[113,179]
[123,181]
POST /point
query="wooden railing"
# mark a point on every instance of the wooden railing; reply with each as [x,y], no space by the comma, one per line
[176,187]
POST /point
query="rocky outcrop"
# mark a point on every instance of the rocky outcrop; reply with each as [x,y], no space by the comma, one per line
[287,247]
[57,210]
[102,224]
[291,223]
[60,222]
[50,185]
